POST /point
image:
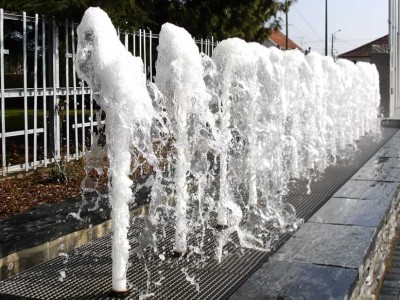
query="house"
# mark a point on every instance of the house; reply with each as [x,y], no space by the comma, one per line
[278,39]
[363,53]
[377,53]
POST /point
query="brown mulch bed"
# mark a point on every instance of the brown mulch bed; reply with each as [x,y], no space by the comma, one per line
[20,193]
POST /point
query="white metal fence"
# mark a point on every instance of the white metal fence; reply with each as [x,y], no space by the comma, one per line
[46,112]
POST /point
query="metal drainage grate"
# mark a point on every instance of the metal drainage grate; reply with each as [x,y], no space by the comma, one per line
[88,274]
[88,268]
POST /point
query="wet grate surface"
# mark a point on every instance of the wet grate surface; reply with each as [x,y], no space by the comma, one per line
[88,274]
[88,269]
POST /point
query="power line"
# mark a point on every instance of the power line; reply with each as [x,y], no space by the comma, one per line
[301,34]
[349,42]
[314,42]
[345,42]
[300,30]
[308,24]
[362,39]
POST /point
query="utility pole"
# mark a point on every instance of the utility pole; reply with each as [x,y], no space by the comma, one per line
[333,40]
[287,24]
[301,41]
[326,27]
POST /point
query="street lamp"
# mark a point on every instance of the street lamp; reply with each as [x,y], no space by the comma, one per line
[333,39]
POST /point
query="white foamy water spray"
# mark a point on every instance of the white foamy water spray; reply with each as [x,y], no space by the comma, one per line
[247,145]
[278,117]
[179,79]
[230,56]
[119,87]
[283,116]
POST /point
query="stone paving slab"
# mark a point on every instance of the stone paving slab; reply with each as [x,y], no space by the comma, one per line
[389,152]
[328,244]
[380,171]
[352,212]
[387,162]
[293,280]
[391,148]
[367,190]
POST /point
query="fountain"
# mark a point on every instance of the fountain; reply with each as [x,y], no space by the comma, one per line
[179,79]
[241,125]
[102,62]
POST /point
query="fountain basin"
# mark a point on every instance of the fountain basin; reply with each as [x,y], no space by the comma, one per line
[215,280]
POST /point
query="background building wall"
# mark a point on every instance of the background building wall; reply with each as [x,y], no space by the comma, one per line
[382,62]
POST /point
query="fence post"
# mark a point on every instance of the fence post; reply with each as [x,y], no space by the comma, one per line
[151,56]
[3,106]
[126,43]
[144,53]
[140,43]
[54,126]
[212,45]
[75,98]
[35,88]
[134,43]
[25,66]
[67,57]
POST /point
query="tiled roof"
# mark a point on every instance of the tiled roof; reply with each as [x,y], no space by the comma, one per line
[280,40]
[365,50]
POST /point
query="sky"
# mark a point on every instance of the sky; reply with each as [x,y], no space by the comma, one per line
[360,22]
